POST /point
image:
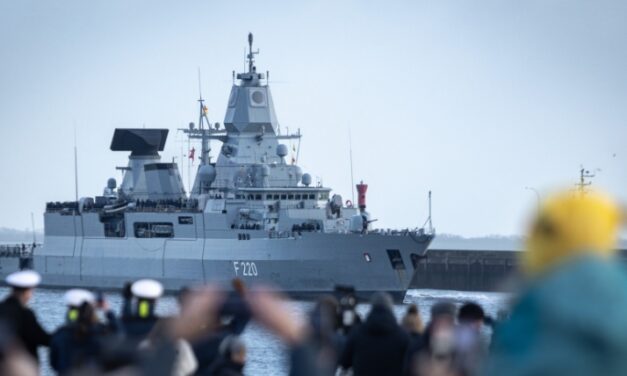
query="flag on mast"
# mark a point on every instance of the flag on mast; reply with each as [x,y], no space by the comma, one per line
[192,152]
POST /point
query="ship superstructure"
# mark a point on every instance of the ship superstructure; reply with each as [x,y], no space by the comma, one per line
[251,214]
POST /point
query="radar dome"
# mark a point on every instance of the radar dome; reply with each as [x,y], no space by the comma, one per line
[298,172]
[207,174]
[281,150]
[265,170]
[306,180]
[111,183]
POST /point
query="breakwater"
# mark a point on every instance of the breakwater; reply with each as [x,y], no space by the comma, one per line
[470,270]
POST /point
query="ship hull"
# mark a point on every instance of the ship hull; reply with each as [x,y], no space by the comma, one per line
[302,266]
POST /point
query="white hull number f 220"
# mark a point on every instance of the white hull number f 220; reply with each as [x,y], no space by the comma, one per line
[245,268]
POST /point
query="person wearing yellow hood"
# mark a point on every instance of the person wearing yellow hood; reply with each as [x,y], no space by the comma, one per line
[571,318]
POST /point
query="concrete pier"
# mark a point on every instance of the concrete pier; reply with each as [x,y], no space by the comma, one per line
[470,270]
[465,270]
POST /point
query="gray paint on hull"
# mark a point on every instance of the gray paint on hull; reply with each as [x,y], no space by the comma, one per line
[312,263]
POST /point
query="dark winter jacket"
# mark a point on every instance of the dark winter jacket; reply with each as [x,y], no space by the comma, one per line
[22,321]
[72,347]
[377,347]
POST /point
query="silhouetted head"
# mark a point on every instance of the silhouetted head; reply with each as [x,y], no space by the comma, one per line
[443,312]
[412,321]
[382,300]
[471,313]
[324,317]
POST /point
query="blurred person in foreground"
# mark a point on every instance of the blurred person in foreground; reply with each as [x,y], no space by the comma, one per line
[16,315]
[138,309]
[471,346]
[435,354]
[267,308]
[378,346]
[231,359]
[14,361]
[412,323]
[349,319]
[570,318]
[231,318]
[77,344]
[326,336]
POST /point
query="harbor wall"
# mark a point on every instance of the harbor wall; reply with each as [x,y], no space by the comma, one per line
[471,270]
[466,270]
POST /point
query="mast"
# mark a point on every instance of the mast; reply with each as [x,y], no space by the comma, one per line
[430,221]
[202,116]
[350,153]
[32,221]
[251,53]
[75,167]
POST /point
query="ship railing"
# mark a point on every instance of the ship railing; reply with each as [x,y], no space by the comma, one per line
[67,206]
[164,209]
[18,250]
[402,232]
[167,205]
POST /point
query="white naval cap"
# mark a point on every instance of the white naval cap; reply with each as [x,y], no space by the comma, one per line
[25,279]
[76,297]
[147,289]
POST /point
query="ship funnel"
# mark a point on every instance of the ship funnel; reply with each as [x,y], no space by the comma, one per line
[361,198]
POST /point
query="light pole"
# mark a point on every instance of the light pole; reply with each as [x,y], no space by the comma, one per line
[537,195]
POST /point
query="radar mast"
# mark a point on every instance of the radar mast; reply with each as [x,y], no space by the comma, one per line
[251,54]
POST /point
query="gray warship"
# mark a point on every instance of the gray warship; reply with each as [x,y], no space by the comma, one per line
[252,214]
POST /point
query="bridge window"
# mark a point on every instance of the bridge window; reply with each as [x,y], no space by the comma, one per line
[283,197]
[186,220]
[290,196]
[153,230]
[258,196]
[297,197]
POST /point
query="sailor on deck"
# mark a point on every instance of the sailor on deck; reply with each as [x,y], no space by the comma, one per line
[16,314]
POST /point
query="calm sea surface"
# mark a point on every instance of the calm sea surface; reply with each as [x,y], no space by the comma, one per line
[266,355]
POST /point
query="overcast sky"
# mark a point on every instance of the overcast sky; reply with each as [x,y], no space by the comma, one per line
[472,99]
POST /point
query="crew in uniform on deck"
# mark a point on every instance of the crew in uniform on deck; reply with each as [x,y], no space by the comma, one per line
[16,314]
